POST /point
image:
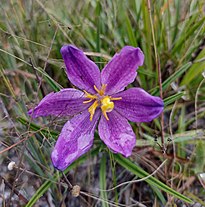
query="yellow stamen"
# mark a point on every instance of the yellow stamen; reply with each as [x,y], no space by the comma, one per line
[103,88]
[88,95]
[106,102]
[96,89]
[92,109]
[106,106]
[88,101]
[101,92]
[105,115]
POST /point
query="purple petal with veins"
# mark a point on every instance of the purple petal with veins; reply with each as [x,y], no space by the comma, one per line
[75,139]
[81,71]
[117,133]
[138,106]
[66,102]
[121,70]
[77,135]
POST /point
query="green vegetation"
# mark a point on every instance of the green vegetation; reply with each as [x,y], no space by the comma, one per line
[171,33]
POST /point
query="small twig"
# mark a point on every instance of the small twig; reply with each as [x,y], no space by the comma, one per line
[136,181]
[67,181]
[111,203]
[98,54]
[38,79]
[186,185]
[21,158]
[19,72]
[137,203]
[21,197]
[173,144]
[196,100]
[159,75]
[39,176]
[17,173]
[10,147]
[162,114]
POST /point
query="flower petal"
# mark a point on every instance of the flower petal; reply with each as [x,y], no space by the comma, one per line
[81,71]
[138,106]
[75,139]
[121,70]
[66,102]
[117,133]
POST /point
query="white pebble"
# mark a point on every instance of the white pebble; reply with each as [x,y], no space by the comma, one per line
[11,165]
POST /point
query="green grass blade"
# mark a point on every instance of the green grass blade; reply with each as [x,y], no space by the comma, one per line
[189,31]
[53,84]
[200,157]
[147,44]
[158,194]
[195,69]
[172,78]
[176,75]
[46,185]
[103,194]
[171,99]
[39,193]
[131,35]
[37,128]
[176,20]
[127,164]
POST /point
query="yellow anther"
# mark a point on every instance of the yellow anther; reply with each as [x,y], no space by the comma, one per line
[92,109]
[101,92]
[105,102]
[88,95]
[88,101]
[103,88]
[98,91]
[105,115]
[106,106]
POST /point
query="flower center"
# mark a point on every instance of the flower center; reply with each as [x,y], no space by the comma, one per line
[100,100]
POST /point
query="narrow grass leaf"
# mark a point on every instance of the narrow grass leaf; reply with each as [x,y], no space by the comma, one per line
[103,194]
[171,99]
[147,44]
[53,84]
[47,184]
[200,157]
[189,31]
[195,69]
[172,78]
[130,166]
[177,19]
[158,194]
[131,35]
[36,128]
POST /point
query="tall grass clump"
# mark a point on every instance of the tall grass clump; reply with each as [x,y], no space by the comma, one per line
[167,166]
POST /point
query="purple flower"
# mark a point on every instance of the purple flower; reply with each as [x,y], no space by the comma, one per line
[101,98]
